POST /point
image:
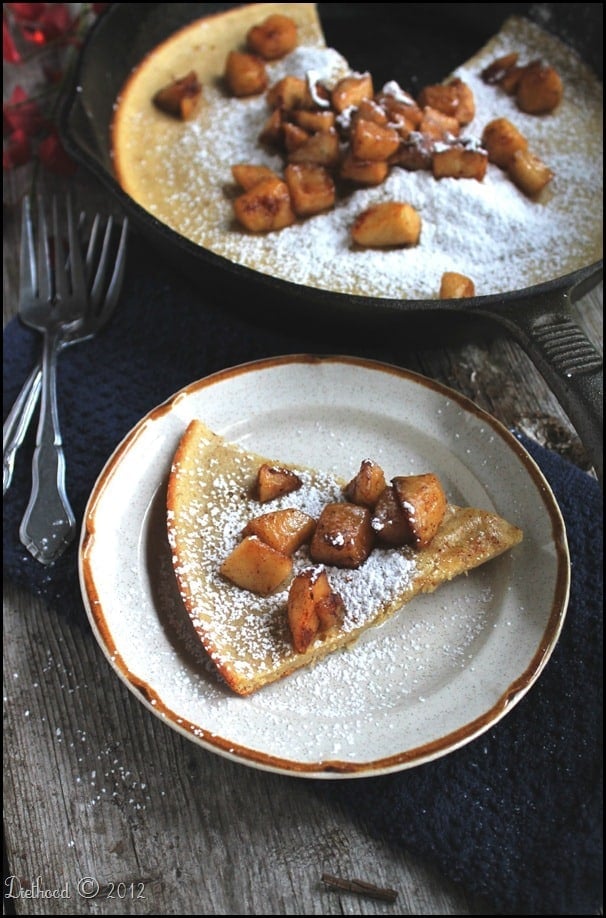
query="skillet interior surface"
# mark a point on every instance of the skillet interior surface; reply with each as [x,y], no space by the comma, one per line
[364,34]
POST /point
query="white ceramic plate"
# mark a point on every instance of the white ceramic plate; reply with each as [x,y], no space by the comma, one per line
[435,676]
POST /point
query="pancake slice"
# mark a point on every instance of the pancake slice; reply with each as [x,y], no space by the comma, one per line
[490,231]
[209,502]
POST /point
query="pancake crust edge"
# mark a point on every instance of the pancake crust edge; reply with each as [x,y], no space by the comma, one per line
[247,638]
[180,173]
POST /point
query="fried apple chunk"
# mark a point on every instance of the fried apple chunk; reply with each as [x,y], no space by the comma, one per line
[248,175]
[181,98]
[454,286]
[273,38]
[390,223]
[288,93]
[529,172]
[312,189]
[363,172]
[312,607]
[313,122]
[343,536]
[351,90]
[400,107]
[389,522]
[245,74]
[293,136]
[502,140]
[265,207]
[423,501]
[275,481]
[454,99]
[416,153]
[438,126]
[459,161]
[370,110]
[499,68]
[331,612]
[367,485]
[372,141]
[321,148]
[285,530]
[256,566]
[539,89]
[271,132]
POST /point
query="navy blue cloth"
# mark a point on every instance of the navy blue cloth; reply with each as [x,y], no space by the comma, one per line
[516,815]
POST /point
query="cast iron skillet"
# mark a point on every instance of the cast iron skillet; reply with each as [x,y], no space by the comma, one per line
[438,38]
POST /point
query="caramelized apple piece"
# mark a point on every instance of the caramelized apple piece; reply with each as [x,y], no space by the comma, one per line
[351,90]
[459,161]
[248,175]
[274,481]
[321,148]
[367,485]
[501,140]
[331,612]
[312,607]
[510,80]
[416,152]
[437,126]
[293,136]
[422,499]
[529,172]
[288,93]
[273,38]
[399,106]
[456,286]
[387,224]
[373,141]
[370,110]
[303,619]
[343,535]
[454,99]
[181,98]
[253,565]
[363,172]
[245,74]
[311,187]
[495,71]
[389,522]
[313,122]
[272,130]
[265,207]
[539,89]
[285,530]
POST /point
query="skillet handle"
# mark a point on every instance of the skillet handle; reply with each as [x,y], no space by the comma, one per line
[567,360]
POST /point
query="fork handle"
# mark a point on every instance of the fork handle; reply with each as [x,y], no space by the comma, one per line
[48,525]
[17,423]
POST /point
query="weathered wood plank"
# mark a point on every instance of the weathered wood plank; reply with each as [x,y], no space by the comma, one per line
[97,787]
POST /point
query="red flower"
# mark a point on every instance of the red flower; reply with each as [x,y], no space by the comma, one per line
[29,129]
[28,12]
[16,151]
[40,23]
[10,52]
[54,157]
[21,113]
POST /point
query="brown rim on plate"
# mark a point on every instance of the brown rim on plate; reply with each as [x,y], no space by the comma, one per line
[329,767]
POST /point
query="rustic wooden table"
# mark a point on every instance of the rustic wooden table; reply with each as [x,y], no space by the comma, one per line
[101,797]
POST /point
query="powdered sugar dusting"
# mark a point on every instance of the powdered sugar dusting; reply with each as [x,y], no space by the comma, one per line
[488,230]
[251,631]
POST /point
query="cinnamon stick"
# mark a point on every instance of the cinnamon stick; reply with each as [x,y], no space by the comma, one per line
[360,887]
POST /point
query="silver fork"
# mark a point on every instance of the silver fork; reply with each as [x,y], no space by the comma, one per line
[103,298]
[52,300]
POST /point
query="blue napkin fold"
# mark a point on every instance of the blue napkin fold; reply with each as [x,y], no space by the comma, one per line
[514,816]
